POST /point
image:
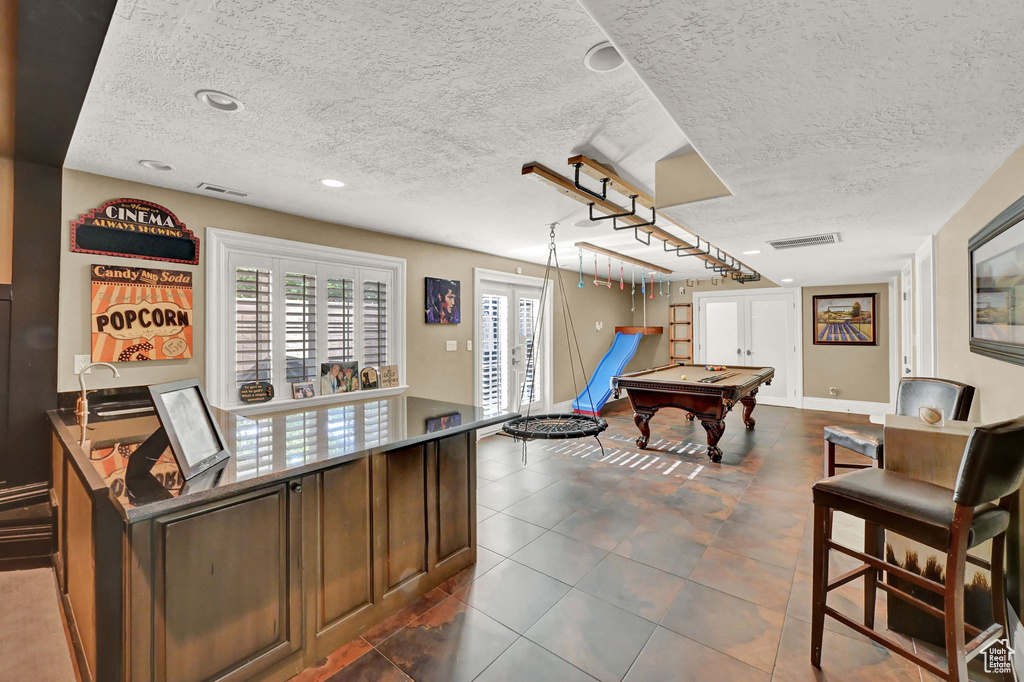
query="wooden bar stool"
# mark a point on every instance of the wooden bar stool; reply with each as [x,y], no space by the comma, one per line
[952,521]
[913,393]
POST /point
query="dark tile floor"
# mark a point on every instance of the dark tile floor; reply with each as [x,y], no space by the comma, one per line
[635,565]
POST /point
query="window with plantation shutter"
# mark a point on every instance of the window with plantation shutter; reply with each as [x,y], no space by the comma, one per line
[341,312]
[375,324]
[300,313]
[253,361]
[284,309]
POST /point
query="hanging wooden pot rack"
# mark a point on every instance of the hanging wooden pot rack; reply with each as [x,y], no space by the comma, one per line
[690,245]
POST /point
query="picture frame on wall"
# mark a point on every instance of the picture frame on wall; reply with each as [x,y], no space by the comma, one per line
[996,268]
[844,320]
[443,300]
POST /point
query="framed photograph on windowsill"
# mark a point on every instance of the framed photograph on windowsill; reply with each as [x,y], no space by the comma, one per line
[996,266]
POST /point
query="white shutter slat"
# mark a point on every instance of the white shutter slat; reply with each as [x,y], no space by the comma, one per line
[253,347]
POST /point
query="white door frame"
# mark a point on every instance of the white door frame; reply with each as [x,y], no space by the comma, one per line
[925,330]
[906,299]
[479,276]
[796,365]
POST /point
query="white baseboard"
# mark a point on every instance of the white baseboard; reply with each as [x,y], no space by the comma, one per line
[851,406]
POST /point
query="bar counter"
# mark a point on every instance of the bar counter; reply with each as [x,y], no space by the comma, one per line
[320,525]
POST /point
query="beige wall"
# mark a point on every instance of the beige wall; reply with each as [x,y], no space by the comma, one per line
[858,372]
[999,393]
[432,372]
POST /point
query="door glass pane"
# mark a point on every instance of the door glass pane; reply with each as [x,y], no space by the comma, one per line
[721,332]
[769,320]
[527,326]
[494,353]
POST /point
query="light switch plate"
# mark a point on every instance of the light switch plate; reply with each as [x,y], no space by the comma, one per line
[81,361]
[451,345]
[469,344]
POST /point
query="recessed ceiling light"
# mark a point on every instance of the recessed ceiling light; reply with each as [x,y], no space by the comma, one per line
[750,253]
[221,101]
[603,57]
[586,223]
[328,182]
[156,165]
[788,279]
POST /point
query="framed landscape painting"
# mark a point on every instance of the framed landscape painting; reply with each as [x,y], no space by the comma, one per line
[844,320]
[996,255]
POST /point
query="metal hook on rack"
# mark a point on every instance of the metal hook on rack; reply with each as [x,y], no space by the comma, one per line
[604,185]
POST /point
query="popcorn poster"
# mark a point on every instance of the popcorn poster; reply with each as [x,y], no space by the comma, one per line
[140,314]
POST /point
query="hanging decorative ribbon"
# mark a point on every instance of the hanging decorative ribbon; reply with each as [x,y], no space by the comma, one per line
[652,285]
[581,269]
[622,276]
[595,271]
[632,288]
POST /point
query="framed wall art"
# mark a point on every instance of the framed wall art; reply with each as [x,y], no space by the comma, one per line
[996,267]
[443,301]
[844,320]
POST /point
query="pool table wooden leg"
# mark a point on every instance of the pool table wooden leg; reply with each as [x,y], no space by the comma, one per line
[715,429]
[749,402]
[642,421]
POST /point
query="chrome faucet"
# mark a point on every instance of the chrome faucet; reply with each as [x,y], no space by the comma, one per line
[82,408]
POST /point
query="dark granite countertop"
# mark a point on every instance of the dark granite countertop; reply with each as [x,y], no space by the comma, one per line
[265,448]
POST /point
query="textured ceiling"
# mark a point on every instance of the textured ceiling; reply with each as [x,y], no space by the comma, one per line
[877,120]
[874,119]
[427,111]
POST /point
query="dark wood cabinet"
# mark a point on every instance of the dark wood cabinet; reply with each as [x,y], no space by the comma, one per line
[264,582]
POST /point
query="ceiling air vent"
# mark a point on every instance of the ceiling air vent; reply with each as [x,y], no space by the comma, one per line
[216,189]
[812,240]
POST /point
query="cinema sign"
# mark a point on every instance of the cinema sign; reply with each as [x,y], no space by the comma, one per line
[140,314]
[136,229]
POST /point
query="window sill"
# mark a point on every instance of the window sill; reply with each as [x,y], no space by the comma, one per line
[283,404]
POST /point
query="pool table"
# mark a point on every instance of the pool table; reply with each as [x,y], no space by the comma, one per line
[680,386]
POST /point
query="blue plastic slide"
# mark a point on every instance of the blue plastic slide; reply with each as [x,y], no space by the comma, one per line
[593,398]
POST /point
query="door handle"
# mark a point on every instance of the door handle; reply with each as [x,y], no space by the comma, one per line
[739,351]
[748,352]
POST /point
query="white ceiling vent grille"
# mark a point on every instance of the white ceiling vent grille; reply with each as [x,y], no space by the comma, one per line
[812,240]
[217,189]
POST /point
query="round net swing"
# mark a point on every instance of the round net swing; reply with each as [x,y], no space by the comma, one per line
[554,425]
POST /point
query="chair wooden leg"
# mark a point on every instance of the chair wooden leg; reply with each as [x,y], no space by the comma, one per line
[830,459]
[819,581]
[871,548]
[953,597]
[999,588]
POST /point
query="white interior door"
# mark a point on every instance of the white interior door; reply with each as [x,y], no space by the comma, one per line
[770,341]
[721,331]
[758,329]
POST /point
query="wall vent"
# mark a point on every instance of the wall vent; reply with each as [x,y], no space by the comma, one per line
[217,189]
[812,240]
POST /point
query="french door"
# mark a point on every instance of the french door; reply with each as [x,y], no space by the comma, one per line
[513,375]
[755,329]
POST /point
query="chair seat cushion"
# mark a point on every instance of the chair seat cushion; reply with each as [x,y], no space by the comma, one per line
[863,438]
[915,509]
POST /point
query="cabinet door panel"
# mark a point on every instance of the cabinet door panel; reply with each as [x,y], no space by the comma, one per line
[346,567]
[226,593]
[453,484]
[407,514]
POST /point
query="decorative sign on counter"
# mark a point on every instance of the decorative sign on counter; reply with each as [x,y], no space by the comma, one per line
[389,376]
[256,392]
[140,314]
[135,229]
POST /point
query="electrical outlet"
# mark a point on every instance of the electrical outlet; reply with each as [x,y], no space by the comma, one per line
[682,291]
[599,325]
[469,344]
[833,390]
[451,345]
[81,361]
